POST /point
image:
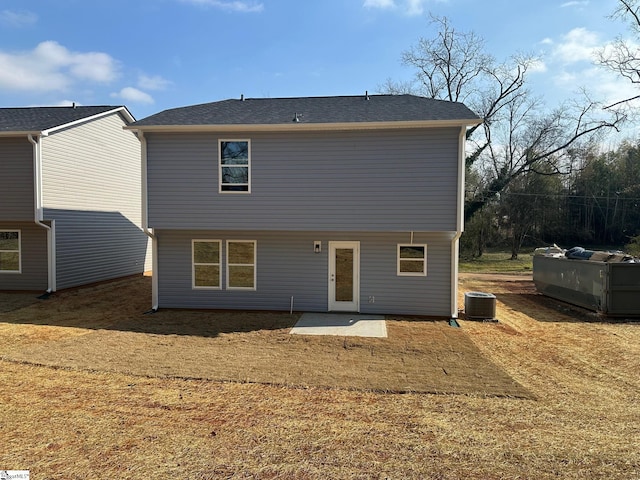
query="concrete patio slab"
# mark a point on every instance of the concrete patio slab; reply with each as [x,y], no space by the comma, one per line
[341,324]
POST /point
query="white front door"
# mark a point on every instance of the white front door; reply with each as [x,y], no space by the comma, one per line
[344,276]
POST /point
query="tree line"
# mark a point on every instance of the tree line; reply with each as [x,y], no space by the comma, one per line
[535,174]
[597,204]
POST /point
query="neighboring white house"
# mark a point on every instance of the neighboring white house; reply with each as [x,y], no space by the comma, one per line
[350,203]
[70,191]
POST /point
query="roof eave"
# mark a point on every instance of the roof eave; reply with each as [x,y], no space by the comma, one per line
[20,133]
[122,110]
[290,127]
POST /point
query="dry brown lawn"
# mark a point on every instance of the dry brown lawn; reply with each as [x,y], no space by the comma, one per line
[92,388]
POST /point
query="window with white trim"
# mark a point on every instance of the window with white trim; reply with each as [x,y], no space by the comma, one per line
[412,260]
[206,263]
[10,258]
[241,264]
[234,164]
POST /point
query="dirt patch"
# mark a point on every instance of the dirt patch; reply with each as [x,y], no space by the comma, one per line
[98,330]
[78,424]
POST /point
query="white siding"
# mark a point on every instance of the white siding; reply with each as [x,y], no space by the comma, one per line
[92,188]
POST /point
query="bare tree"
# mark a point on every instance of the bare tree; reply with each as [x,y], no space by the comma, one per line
[517,133]
[454,66]
[450,64]
[623,57]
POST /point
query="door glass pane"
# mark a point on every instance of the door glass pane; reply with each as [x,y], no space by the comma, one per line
[344,274]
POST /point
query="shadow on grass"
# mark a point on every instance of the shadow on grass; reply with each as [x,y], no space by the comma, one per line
[546,309]
[10,302]
[112,334]
[124,305]
[520,294]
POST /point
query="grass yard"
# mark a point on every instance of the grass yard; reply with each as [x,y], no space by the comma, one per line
[498,262]
[94,389]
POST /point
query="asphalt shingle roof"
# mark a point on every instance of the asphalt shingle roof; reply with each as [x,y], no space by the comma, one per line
[37,119]
[312,110]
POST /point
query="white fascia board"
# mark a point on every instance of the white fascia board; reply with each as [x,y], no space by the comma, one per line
[122,110]
[305,127]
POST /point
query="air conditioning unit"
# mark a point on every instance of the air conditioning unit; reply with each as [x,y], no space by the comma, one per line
[480,305]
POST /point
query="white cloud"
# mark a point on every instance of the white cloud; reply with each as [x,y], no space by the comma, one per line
[94,66]
[578,45]
[571,65]
[133,95]
[233,5]
[52,67]
[538,66]
[153,83]
[566,80]
[415,7]
[17,19]
[407,7]
[575,3]
[379,4]
[602,85]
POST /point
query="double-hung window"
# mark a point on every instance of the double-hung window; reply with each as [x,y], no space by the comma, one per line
[10,259]
[241,264]
[234,166]
[412,260]
[206,263]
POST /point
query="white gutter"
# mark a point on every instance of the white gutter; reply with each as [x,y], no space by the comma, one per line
[37,212]
[455,241]
[145,223]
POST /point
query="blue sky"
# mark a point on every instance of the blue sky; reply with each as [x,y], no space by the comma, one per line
[151,55]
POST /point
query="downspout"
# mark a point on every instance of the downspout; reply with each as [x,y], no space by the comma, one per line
[145,223]
[37,212]
[455,241]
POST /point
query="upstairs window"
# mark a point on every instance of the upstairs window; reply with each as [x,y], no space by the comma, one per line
[412,260]
[10,251]
[235,161]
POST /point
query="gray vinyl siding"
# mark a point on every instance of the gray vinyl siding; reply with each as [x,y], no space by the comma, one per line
[16,179]
[33,252]
[92,188]
[287,267]
[393,180]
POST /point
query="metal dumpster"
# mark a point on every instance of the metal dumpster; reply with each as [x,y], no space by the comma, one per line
[609,288]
